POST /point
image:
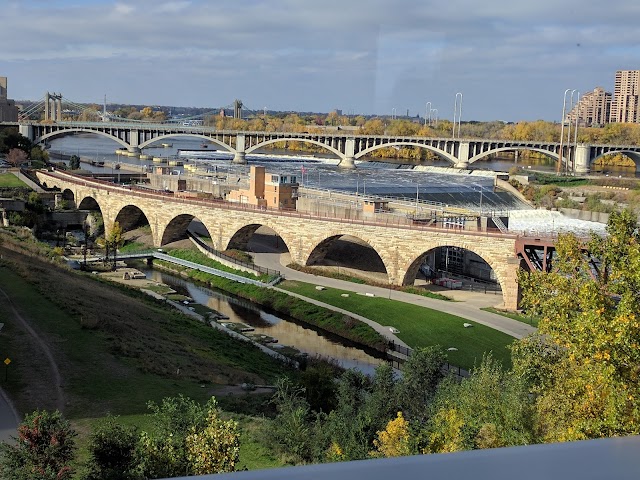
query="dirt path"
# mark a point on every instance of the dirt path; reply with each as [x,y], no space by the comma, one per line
[56,377]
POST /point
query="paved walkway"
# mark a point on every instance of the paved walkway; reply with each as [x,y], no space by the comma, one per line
[468,308]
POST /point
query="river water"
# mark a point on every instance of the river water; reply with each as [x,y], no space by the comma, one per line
[375,177]
[287,330]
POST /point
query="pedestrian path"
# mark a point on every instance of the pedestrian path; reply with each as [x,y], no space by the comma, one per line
[469,310]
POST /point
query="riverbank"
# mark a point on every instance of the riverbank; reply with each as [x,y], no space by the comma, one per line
[135,344]
[305,312]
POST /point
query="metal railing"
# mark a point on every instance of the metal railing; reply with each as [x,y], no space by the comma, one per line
[447,368]
[216,253]
[222,204]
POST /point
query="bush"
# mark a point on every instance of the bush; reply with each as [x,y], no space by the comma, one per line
[113,452]
[44,448]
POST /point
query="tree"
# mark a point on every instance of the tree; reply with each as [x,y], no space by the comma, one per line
[16,157]
[115,238]
[393,441]
[74,162]
[216,448]
[290,432]
[112,449]
[11,138]
[592,318]
[421,374]
[38,154]
[491,408]
[187,438]
[43,450]
[372,127]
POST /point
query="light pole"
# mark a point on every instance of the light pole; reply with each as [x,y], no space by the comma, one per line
[571,106]
[457,113]
[436,115]
[575,138]
[564,109]
[427,115]
[417,198]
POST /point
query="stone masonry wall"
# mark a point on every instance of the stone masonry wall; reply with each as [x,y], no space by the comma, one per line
[399,248]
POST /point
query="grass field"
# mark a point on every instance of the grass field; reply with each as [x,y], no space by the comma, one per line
[9,180]
[419,326]
[116,349]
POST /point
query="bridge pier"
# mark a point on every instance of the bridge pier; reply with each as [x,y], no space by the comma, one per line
[582,160]
[239,158]
[347,163]
[134,149]
[240,152]
[463,155]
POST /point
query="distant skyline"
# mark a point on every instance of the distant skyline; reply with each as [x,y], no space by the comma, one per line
[511,60]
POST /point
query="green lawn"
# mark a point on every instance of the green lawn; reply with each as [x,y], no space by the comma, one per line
[9,180]
[99,367]
[419,326]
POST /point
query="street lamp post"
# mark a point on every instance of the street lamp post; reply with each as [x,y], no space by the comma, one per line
[457,113]
[417,198]
[564,109]
[427,116]
[435,110]
[575,139]
[572,104]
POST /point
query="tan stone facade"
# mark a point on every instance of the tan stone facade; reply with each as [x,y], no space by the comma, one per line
[593,109]
[268,190]
[400,248]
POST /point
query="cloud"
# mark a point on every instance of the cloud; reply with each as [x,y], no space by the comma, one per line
[367,55]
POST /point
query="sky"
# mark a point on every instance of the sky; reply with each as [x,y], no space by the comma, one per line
[511,59]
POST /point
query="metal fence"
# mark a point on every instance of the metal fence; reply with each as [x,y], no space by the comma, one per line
[222,204]
[228,258]
[397,363]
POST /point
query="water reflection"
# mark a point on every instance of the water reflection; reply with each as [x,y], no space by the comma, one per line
[286,330]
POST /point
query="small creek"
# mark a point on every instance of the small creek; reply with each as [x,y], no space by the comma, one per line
[287,330]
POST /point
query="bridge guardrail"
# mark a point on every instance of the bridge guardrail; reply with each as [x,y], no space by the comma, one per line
[267,271]
[217,203]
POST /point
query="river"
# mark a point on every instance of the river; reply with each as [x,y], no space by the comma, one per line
[287,330]
[385,178]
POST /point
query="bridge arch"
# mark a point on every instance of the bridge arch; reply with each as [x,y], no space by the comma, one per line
[352,252]
[70,197]
[633,155]
[176,228]
[303,140]
[320,246]
[437,151]
[242,233]
[412,269]
[548,153]
[129,217]
[146,143]
[61,133]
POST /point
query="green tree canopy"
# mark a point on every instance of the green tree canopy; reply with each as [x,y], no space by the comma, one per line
[590,319]
[43,450]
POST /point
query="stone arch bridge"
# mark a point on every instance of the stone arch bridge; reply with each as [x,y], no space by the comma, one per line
[400,247]
[346,146]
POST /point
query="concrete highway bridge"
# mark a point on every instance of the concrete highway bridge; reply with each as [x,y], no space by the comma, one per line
[401,247]
[346,146]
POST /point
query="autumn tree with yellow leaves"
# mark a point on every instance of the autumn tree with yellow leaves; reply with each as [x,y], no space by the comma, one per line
[586,367]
